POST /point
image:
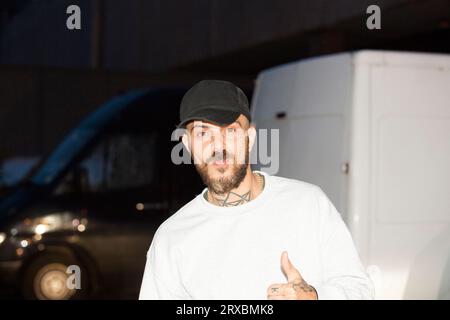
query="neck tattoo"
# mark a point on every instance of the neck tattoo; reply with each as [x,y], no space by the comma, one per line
[238,199]
[226,202]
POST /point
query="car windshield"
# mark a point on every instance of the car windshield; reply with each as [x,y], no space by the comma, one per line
[80,137]
[61,157]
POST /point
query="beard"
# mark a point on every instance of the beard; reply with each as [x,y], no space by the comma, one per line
[224,184]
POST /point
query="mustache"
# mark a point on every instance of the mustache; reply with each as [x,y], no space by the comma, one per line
[220,156]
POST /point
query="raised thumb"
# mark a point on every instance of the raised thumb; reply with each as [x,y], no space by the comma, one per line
[288,268]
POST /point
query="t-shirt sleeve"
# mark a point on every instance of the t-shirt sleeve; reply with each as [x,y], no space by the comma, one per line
[344,276]
[161,280]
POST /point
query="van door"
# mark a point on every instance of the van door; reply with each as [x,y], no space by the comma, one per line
[410,181]
[309,106]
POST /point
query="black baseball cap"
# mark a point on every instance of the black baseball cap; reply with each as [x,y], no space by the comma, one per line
[216,101]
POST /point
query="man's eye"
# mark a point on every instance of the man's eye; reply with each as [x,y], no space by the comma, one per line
[202,134]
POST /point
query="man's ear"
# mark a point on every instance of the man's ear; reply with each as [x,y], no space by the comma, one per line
[251,137]
[186,141]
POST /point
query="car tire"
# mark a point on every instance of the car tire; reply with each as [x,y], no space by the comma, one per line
[45,278]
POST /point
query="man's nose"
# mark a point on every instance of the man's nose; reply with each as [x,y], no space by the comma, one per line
[219,140]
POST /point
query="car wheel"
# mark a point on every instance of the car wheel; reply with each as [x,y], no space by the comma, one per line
[46,277]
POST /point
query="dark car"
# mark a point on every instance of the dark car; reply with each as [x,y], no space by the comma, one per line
[95,202]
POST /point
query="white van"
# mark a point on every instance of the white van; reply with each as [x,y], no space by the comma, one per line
[372,129]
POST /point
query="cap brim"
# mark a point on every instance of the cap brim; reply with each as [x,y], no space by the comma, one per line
[218,117]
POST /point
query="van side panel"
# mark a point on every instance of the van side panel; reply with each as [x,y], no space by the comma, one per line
[410,179]
[359,156]
[308,102]
[387,114]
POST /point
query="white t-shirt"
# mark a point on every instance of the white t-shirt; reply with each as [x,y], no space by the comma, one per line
[204,251]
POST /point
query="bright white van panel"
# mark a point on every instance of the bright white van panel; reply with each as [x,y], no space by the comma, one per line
[388,114]
[410,177]
[323,86]
[274,92]
[315,95]
[303,153]
[360,162]
[413,163]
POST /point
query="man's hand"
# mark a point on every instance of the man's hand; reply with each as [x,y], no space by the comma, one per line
[295,289]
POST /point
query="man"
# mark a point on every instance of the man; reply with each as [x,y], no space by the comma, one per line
[248,235]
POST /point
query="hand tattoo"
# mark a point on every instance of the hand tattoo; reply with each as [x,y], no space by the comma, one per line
[303,286]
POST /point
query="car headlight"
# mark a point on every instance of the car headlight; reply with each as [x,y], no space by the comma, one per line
[2,237]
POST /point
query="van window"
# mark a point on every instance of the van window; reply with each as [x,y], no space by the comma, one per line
[118,161]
